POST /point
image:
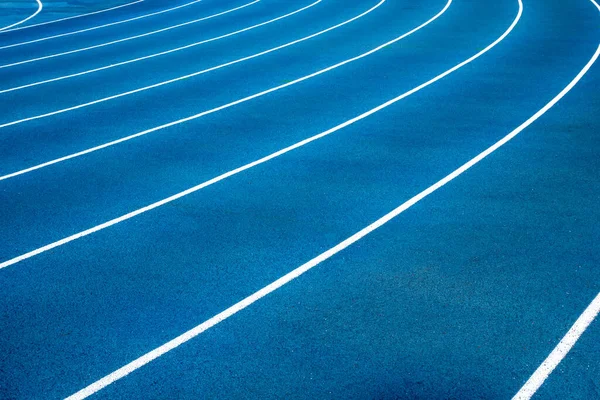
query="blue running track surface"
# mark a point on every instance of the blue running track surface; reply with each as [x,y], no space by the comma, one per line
[298,199]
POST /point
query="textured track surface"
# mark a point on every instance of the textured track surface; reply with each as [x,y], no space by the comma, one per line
[461,296]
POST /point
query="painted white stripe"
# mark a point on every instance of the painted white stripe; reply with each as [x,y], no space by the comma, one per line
[174,343]
[97,46]
[40,6]
[180,49]
[100,26]
[213,110]
[261,160]
[73,17]
[560,351]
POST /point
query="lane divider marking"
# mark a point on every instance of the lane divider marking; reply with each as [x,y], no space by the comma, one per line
[560,351]
[40,6]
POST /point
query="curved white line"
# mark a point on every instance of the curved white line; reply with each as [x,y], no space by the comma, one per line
[162,53]
[97,46]
[560,351]
[250,165]
[192,333]
[73,17]
[39,9]
[99,26]
[216,109]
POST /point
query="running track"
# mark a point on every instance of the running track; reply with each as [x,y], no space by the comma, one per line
[147,205]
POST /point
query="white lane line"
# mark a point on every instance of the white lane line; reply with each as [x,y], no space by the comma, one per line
[271,156]
[40,6]
[73,17]
[560,351]
[185,337]
[97,46]
[100,26]
[213,110]
[164,53]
